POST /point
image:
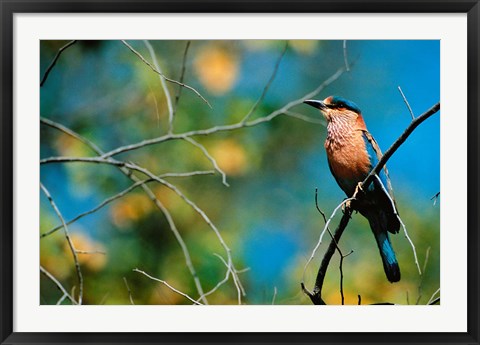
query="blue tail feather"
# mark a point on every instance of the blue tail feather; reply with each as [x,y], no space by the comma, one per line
[390,264]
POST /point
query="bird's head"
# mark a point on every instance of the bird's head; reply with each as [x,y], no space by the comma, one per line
[335,107]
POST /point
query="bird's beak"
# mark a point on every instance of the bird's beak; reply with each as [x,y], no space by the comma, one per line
[316,104]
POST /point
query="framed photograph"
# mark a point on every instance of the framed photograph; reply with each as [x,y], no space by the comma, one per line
[198,172]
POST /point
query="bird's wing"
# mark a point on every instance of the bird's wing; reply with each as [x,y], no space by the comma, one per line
[376,154]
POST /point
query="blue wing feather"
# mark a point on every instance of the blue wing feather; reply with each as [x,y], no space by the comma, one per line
[375,154]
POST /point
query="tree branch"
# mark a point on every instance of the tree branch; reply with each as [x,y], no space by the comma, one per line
[54,61]
[168,285]
[225,128]
[162,75]
[386,156]
[267,86]
[164,85]
[58,284]
[316,295]
[151,196]
[69,241]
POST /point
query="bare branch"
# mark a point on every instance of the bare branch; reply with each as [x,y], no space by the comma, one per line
[316,294]
[162,75]
[305,118]
[101,205]
[59,285]
[432,299]
[345,56]
[89,252]
[129,291]
[336,245]
[216,287]
[274,295]
[182,75]
[164,85]
[406,102]
[168,285]
[323,233]
[209,157]
[69,240]
[73,134]
[420,285]
[401,222]
[414,124]
[61,299]
[236,281]
[123,193]
[267,86]
[54,61]
[151,196]
[231,127]
[188,174]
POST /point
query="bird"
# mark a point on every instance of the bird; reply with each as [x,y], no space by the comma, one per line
[352,153]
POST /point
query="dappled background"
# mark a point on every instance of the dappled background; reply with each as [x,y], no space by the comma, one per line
[266,216]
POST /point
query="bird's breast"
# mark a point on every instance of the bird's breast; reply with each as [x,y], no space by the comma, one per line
[348,159]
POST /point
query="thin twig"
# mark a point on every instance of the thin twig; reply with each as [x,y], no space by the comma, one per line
[231,127]
[69,240]
[178,237]
[406,102]
[401,222]
[274,294]
[323,233]
[411,127]
[420,285]
[316,294]
[162,75]
[164,85]
[129,291]
[433,296]
[305,118]
[123,193]
[210,158]
[54,61]
[168,285]
[73,134]
[61,299]
[267,86]
[58,284]
[219,284]
[336,245]
[345,58]
[89,252]
[95,209]
[236,281]
[182,75]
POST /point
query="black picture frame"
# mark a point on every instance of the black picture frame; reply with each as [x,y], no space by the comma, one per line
[10,7]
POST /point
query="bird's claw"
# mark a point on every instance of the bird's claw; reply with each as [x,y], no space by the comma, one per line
[358,189]
[347,205]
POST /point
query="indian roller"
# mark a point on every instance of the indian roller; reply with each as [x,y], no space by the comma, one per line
[352,153]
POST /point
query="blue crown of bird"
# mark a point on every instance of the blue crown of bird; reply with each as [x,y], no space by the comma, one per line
[352,153]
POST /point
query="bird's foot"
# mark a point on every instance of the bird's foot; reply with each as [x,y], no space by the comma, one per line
[347,206]
[358,189]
